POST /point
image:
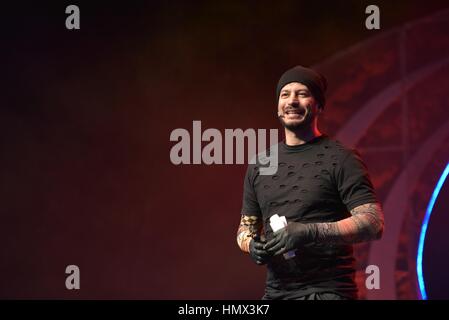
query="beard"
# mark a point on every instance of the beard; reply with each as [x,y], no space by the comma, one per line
[296,125]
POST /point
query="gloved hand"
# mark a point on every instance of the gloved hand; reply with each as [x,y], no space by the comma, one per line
[256,251]
[293,236]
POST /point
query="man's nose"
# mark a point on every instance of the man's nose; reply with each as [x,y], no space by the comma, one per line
[292,100]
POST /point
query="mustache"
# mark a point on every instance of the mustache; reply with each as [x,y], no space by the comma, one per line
[293,109]
[281,114]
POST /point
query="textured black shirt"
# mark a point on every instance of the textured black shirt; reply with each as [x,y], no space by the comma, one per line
[319,181]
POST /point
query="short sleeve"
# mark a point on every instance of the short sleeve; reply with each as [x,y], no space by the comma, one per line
[250,204]
[353,182]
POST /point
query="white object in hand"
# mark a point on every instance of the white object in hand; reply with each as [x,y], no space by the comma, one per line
[277,223]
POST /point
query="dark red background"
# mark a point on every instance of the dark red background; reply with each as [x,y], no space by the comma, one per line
[86,116]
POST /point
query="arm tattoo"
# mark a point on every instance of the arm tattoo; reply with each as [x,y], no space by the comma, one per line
[249,227]
[365,224]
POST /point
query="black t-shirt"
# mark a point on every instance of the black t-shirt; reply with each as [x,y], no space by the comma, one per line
[319,181]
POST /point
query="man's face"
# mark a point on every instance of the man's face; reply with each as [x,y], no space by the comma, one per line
[297,107]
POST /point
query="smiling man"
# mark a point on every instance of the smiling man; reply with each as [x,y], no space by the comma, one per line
[325,194]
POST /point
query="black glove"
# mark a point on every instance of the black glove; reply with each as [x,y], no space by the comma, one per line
[256,251]
[293,236]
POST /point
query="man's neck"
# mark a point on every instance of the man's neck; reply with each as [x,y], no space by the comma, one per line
[301,136]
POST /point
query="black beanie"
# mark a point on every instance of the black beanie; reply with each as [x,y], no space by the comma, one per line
[315,82]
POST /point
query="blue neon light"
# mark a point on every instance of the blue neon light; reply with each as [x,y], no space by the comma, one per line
[422,236]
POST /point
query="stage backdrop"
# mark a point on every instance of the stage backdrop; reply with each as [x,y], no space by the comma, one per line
[86,118]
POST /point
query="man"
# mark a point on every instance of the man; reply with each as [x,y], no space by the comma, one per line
[324,192]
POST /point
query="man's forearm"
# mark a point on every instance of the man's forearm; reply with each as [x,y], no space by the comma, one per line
[365,224]
[249,227]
